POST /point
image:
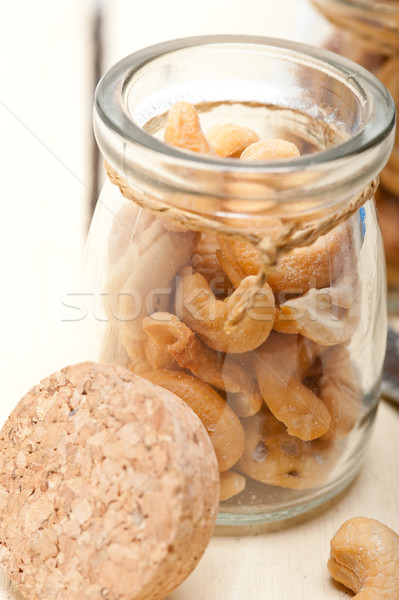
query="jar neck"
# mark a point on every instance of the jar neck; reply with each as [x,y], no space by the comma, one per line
[225,221]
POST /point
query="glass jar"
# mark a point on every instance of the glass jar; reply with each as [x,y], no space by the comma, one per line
[367,32]
[288,389]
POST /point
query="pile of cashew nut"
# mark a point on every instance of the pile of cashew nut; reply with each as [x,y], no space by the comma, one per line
[276,392]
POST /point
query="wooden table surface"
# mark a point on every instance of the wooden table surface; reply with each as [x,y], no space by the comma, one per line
[45,106]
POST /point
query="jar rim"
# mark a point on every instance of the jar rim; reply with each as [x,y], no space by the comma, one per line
[109,105]
[116,131]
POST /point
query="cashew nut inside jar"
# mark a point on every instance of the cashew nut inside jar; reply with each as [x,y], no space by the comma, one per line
[236,255]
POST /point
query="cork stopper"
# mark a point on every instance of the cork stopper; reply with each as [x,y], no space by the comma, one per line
[109,487]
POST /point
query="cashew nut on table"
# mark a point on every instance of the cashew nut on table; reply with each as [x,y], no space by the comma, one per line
[364,557]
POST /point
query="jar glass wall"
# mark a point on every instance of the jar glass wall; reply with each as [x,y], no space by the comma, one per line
[367,32]
[289,391]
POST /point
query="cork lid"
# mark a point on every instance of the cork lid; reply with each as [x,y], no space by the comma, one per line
[109,487]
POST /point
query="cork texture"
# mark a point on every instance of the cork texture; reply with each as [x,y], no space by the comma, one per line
[109,488]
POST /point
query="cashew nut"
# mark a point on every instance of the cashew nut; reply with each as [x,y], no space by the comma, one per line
[270,150]
[295,353]
[364,557]
[321,315]
[129,223]
[273,456]
[205,262]
[128,227]
[221,423]
[280,373]
[233,271]
[157,355]
[142,281]
[112,349]
[177,340]
[231,484]
[197,306]
[183,129]
[284,323]
[230,139]
[297,272]
[340,392]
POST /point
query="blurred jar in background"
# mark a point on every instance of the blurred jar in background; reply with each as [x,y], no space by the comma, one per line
[367,32]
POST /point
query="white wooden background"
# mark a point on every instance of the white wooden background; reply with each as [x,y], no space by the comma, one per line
[45,137]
